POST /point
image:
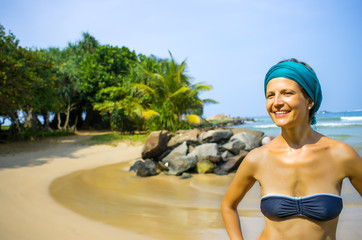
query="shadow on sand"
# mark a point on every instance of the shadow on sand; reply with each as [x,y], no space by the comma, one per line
[14,155]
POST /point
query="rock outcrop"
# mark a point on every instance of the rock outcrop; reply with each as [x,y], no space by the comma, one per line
[156,144]
[221,120]
[218,151]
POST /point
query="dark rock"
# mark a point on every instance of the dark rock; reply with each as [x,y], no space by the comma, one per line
[156,144]
[149,168]
[181,164]
[164,154]
[162,166]
[233,146]
[218,171]
[186,175]
[226,155]
[234,162]
[136,165]
[215,136]
[205,150]
[189,136]
[214,159]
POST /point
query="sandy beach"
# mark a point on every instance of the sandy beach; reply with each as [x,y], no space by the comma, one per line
[60,189]
[26,171]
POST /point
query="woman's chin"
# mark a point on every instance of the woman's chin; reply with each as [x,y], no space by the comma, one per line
[280,122]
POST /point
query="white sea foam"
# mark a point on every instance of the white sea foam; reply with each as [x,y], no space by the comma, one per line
[338,124]
[266,126]
[359,118]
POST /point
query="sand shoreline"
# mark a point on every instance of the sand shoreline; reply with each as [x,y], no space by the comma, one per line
[29,212]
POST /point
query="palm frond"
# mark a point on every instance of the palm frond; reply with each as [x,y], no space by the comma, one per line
[148,114]
[144,88]
[209,101]
[201,87]
[181,90]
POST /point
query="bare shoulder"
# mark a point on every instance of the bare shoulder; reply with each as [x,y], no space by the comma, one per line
[344,156]
[341,151]
[256,155]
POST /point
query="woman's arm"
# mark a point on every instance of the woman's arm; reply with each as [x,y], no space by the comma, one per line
[352,164]
[243,181]
[355,170]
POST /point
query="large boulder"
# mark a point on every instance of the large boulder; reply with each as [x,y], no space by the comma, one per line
[258,134]
[189,136]
[233,162]
[204,151]
[215,136]
[156,144]
[177,152]
[181,164]
[233,146]
[149,168]
[251,141]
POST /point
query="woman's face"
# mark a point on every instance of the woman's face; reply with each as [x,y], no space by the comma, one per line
[286,104]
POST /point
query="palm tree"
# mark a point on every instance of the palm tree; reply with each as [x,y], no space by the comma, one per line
[172,96]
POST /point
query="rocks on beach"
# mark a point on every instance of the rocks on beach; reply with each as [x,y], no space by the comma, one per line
[221,120]
[218,151]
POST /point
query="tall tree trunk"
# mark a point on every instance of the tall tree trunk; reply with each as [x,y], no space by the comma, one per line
[74,127]
[31,119]
[59,121]
[27,115]
[66,123]
[46,121]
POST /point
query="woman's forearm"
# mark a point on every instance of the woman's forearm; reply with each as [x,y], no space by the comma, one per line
[232,223]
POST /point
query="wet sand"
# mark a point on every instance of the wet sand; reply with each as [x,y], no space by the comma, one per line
[68,191]
[167,207]
[163,207]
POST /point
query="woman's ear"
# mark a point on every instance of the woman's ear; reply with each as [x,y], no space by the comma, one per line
[310,104]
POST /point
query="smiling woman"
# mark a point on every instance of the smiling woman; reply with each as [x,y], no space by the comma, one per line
[300,172]
[284,95]
[302,74]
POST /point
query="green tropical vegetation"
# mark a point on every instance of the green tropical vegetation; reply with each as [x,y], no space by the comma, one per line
[87,85]
[114,138]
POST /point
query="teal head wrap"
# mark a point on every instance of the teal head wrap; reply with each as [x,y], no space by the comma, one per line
[301,74]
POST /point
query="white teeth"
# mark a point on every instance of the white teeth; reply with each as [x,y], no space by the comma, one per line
[281,112]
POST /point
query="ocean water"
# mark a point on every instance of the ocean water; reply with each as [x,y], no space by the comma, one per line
[342,126]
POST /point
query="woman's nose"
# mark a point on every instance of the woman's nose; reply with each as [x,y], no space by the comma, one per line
[278,101]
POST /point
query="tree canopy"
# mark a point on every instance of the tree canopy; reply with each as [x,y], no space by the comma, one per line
[87,85]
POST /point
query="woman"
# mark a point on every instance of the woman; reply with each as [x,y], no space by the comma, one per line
[300,172]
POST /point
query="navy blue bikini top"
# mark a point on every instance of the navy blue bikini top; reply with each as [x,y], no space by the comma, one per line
[321,207]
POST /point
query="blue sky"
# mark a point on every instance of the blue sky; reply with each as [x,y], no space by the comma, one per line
[228,44]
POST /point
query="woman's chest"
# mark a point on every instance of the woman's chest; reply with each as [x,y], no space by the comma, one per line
[299,173]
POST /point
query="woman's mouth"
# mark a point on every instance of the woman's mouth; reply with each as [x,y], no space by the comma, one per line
[281,113]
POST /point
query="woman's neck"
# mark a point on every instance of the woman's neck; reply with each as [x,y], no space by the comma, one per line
[297,137]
